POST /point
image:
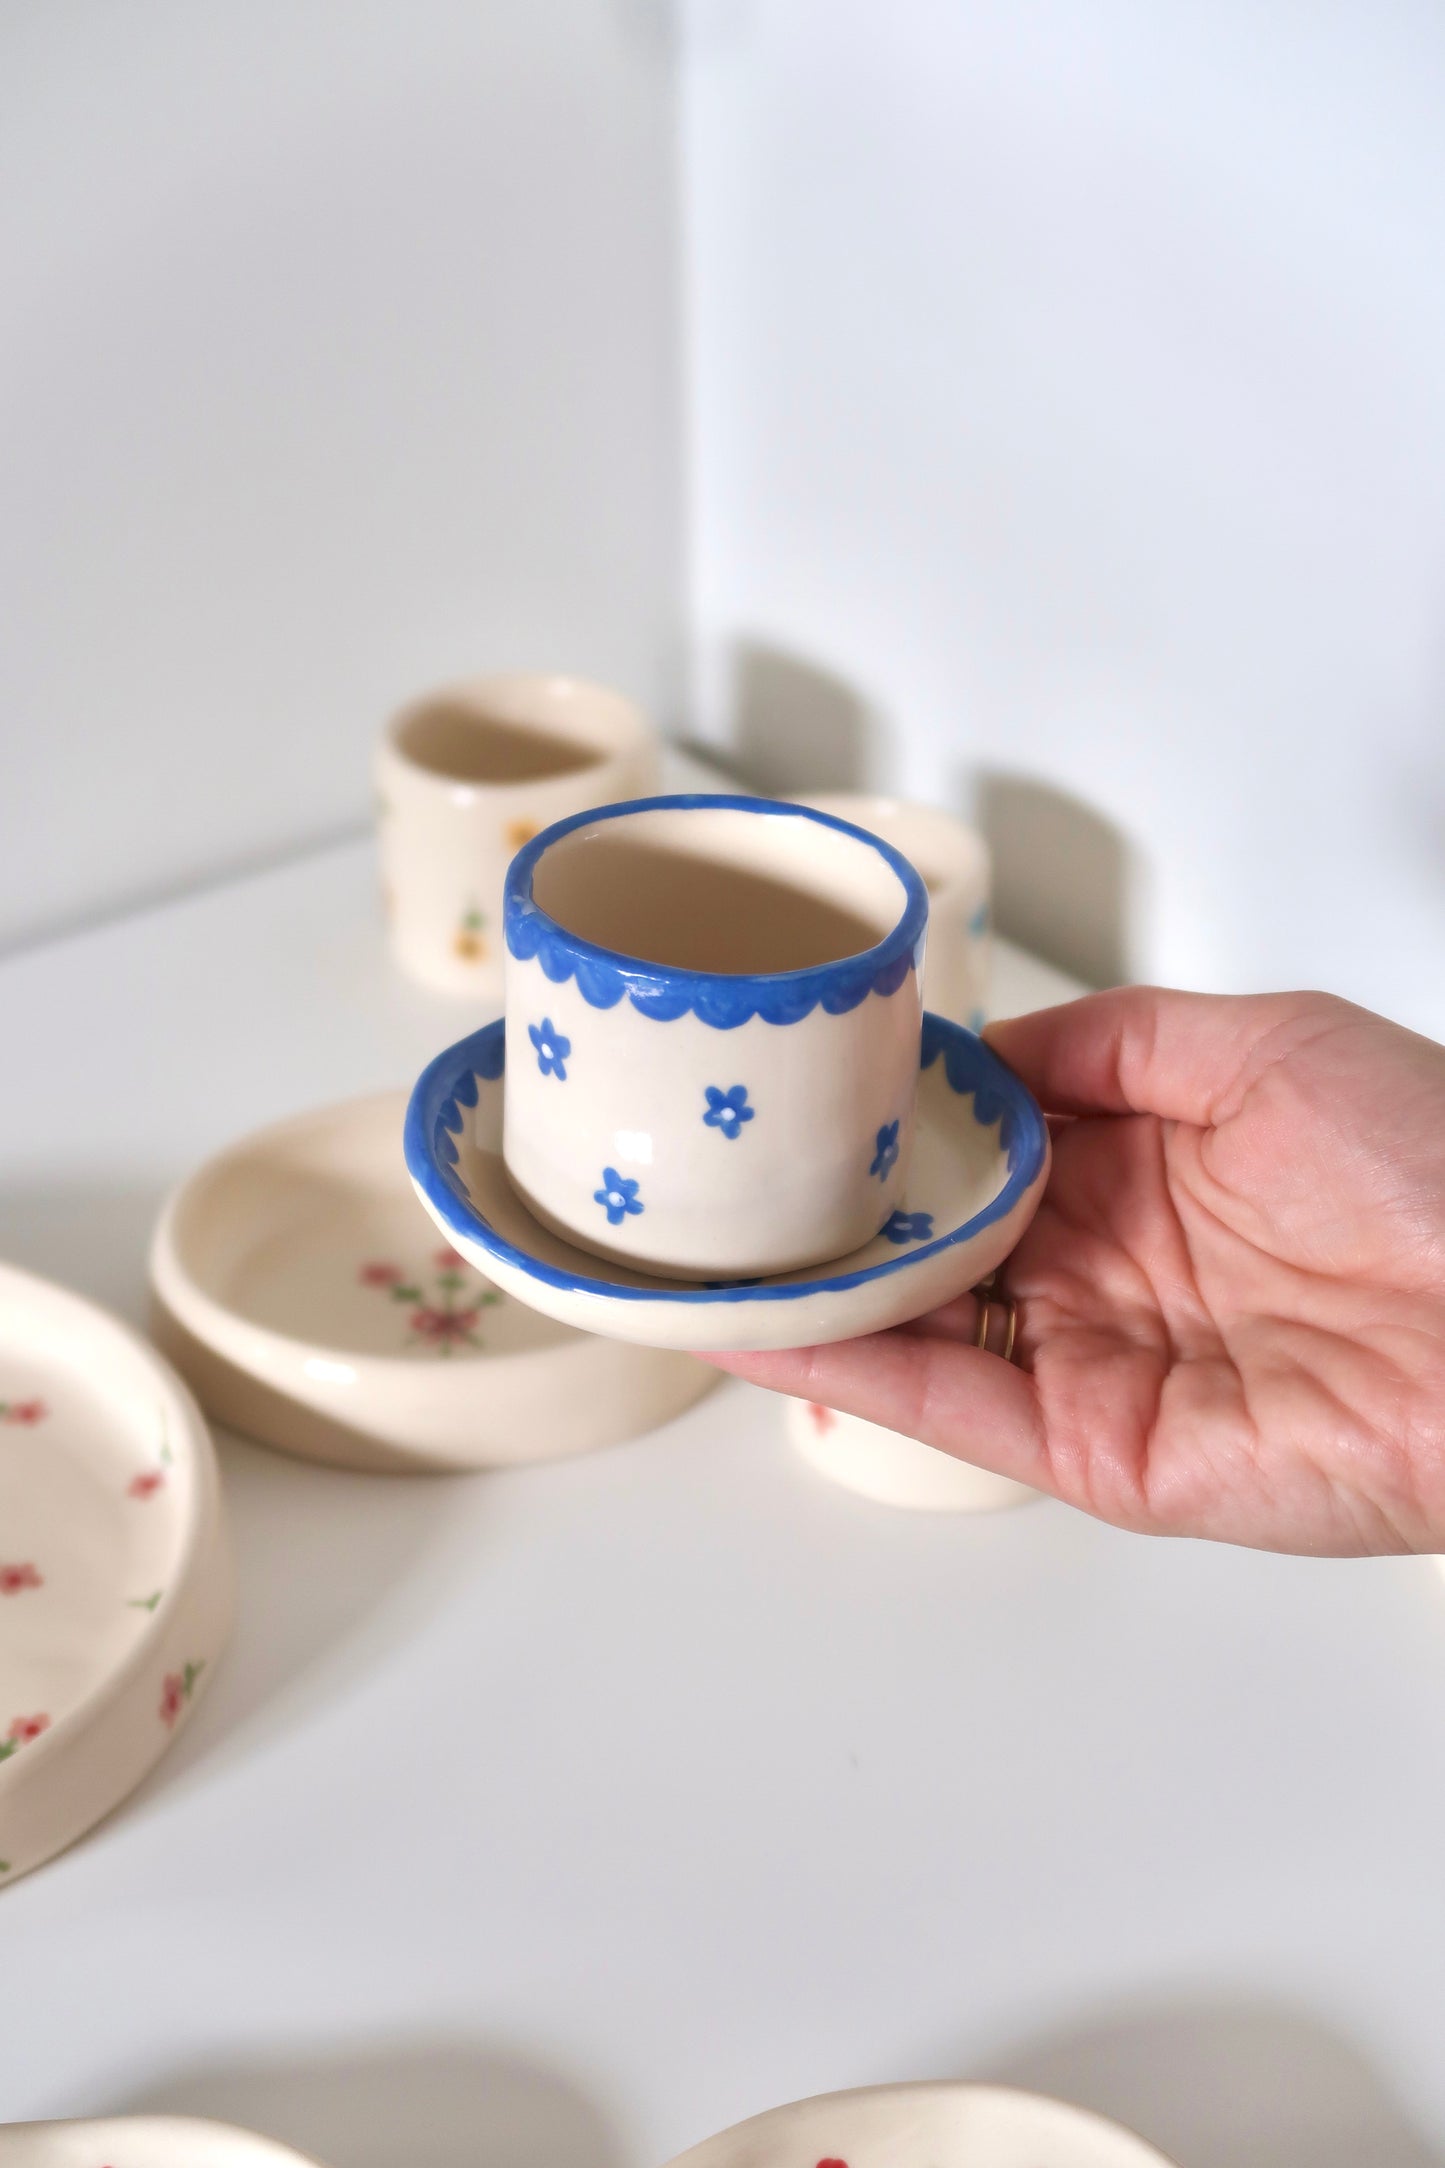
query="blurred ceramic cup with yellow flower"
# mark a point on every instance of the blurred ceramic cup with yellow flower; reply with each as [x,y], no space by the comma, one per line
[468,774]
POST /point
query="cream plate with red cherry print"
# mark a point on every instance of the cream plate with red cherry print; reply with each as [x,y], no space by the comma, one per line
[309,1301]
[114,1582]
[945,2125]
[142,2141]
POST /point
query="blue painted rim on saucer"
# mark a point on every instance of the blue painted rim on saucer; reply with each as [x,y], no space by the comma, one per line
[434,1119]
[721,999]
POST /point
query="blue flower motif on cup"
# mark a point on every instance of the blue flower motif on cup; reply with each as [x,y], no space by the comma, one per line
[885,1150]
[552,1048]
[728,1110]
[619,1195]
[909,1227]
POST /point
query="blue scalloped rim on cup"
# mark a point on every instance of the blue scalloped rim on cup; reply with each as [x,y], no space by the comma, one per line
[448,1084]
[716,998]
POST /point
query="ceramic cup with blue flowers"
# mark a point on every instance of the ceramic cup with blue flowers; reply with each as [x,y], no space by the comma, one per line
[712,1032]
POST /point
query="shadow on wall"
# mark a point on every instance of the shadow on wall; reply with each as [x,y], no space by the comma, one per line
[381,2106]
[796,729]
[1066,880]
[1218,2086]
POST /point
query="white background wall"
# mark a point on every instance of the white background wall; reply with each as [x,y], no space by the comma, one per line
[1065,413]
[337,354]
[1069,389]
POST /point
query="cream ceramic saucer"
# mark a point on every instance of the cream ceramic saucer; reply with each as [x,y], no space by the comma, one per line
[980,1159]
[978,1171]
[946,2125]
[114,1579]
[893,1470]
[141,2141]
[308,1301]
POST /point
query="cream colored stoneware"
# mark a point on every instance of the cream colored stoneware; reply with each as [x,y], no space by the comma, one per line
[893,1470]
[713,1014]
[115,1588]
[954,861]
[945,2125]
[957,871]
[305,1295]
[465,777]
[979,1164]
[141,2141]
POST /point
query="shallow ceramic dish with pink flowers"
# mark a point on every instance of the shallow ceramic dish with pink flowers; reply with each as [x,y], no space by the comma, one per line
[115,1590]
[948,2124]
[141,2141]
[309,1302]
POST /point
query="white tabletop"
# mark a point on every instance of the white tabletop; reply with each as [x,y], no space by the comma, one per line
[555,1819]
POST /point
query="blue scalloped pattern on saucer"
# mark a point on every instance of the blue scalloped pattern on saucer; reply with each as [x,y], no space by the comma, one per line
[720,999]
[434,1120]
[991,1102]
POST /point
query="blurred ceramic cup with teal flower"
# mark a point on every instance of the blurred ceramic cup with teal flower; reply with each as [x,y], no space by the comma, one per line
[957,872]
[713,1012]
[464,777]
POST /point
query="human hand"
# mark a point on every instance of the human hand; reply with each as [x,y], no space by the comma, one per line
[1231,1303]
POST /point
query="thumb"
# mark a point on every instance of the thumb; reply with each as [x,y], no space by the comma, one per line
[1149,1050]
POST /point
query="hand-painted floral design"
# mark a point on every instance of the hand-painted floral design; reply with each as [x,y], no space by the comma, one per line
[176,1691]
[519,832]
[16,1579]
[146,1484]
[619,1196]
[467,942]
[444,1316]
[445,1329]
[978,921]
[823,1418]
[728,1110]
[885,1150]
[909,1227]
[144,1603]
[22,1730]
[552,1048]
[23,1411]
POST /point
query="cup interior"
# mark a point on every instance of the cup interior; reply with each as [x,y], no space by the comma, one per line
[467,745]
[721,889]
[515,729]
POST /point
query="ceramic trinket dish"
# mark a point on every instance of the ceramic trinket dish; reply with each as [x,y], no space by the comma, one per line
[955,864]
[891,1469]
[712,1014]
[115,1588]
[942,2125]
[141,2141]
[467,775]
[309,1302]
[979,1164]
